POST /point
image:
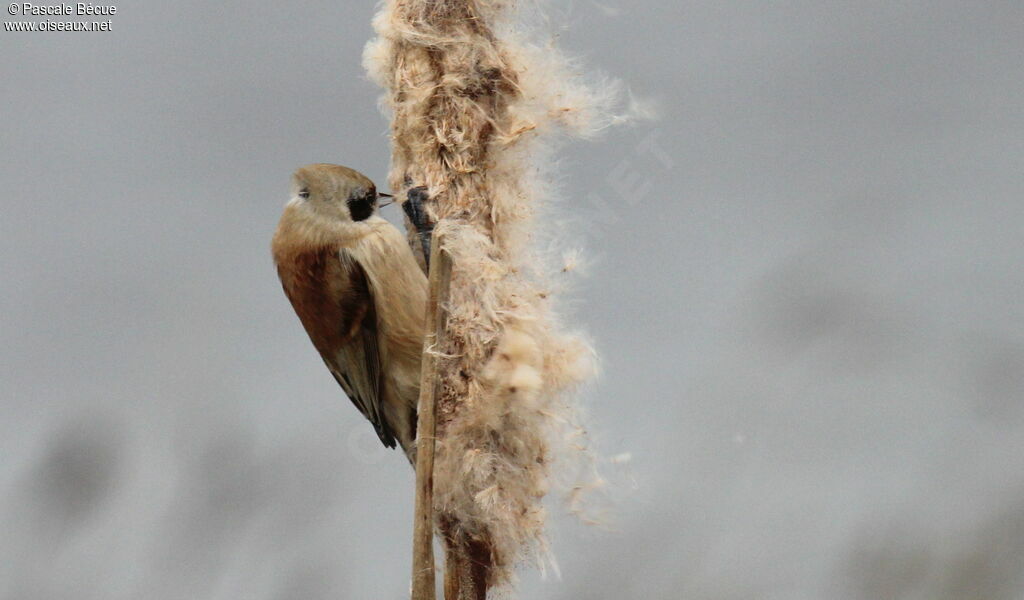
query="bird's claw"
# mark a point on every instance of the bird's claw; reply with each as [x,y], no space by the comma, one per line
[415,208]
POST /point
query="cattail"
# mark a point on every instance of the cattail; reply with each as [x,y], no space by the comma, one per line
[474,101]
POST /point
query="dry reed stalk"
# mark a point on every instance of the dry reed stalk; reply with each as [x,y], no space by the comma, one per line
[430,385]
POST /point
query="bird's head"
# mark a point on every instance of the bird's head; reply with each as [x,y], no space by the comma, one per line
[335,193]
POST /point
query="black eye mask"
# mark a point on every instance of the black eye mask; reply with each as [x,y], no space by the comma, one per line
[361,207]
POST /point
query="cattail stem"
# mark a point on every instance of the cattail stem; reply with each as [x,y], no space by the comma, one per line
[467,563]
[430,383]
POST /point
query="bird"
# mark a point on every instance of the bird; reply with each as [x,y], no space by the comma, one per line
[359,292]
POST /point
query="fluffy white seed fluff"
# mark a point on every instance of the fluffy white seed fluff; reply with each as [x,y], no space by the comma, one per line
[476,103]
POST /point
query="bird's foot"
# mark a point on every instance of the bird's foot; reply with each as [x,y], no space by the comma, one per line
[415,208]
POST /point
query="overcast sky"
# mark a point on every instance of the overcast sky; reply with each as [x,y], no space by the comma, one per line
[811,328]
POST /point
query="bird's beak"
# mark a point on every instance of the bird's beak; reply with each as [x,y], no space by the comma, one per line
[383,195]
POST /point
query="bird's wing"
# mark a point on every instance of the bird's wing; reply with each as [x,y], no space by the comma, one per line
[355,362]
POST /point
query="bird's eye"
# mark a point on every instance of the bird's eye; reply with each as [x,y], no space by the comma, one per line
[304,193]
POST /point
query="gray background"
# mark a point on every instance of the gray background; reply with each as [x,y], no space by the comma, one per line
[811,318]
